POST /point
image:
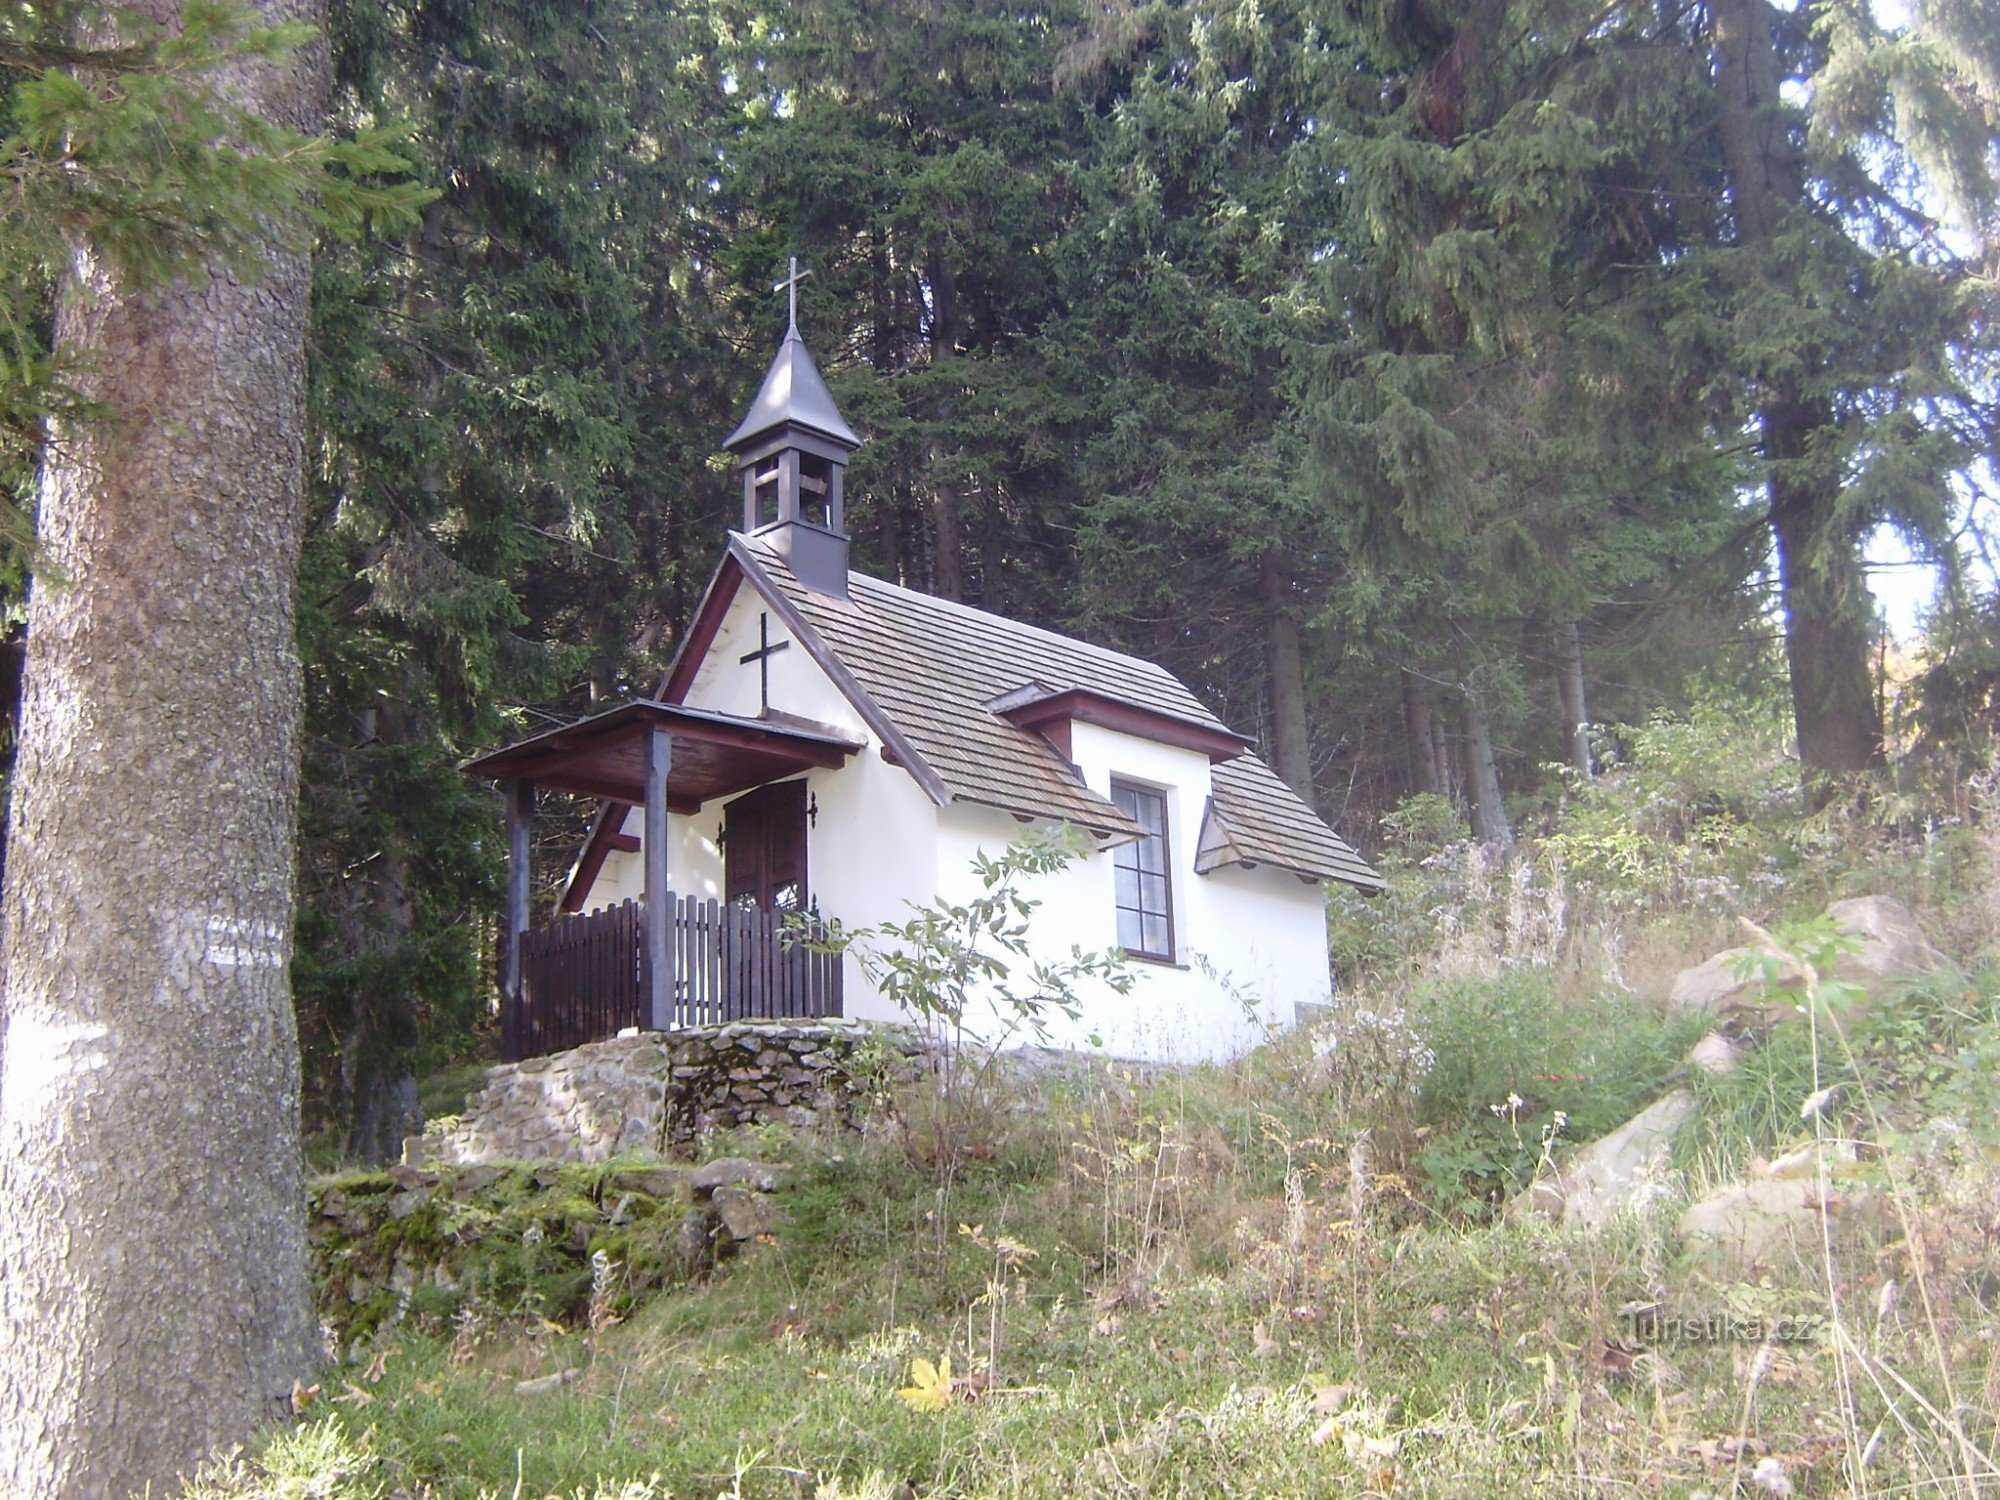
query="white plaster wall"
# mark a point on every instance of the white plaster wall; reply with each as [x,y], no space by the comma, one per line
[694,861]
[1251,944]
[727,684]
[872,851]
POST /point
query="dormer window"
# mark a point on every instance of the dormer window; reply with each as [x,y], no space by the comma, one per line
[1143,876]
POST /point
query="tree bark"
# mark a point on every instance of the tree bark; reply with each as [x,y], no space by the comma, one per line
[154,1293]
[1482,777]
[1419,725]
[1829,612]
[1828,609]
[947,574]
[947,529]
[377,1079]
[1285,678]
[1570,694]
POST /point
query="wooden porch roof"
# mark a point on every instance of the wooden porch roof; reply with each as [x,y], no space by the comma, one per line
[715,755]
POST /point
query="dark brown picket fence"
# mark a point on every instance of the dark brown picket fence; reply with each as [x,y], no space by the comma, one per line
[584,978]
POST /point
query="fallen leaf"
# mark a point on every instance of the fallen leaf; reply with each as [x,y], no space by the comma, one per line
[303,1396]
[930,1385]
[1725,1450]
[1262,1345]
[1332,1400]
[541,1385]
[1360,1445]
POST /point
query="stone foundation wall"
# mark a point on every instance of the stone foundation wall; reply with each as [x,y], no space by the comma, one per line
[662,1092]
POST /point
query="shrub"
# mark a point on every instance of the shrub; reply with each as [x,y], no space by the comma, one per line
[1519,1064]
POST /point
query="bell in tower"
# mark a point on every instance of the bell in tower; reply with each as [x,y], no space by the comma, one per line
[791,451]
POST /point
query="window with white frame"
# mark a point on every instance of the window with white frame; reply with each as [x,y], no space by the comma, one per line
[1144,880]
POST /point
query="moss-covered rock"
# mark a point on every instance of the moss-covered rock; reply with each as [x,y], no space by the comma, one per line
[478,1245]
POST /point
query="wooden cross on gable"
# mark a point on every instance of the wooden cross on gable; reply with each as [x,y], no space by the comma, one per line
[766,649]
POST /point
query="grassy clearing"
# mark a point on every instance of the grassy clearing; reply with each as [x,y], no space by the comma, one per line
[1165,1290]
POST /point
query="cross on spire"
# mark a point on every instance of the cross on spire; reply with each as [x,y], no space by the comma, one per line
[790,287]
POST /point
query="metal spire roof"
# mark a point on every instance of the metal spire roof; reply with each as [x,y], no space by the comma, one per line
[793,393]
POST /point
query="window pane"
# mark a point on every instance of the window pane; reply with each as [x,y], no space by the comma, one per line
[1142,883]
[1130,930]
[1148,810]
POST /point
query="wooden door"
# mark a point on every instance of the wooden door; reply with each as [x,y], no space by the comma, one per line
[764,847]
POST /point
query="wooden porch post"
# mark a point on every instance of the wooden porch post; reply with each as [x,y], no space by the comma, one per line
[520,796]
[659,900]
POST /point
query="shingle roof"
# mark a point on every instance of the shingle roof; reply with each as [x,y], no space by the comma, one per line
[933,666]
[1269,825]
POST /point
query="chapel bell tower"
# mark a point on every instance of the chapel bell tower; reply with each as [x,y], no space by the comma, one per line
[791,451]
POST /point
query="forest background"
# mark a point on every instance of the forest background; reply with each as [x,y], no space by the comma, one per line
[1420,379]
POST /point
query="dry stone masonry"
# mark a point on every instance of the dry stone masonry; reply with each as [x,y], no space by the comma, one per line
[467,1249]
[659,1093]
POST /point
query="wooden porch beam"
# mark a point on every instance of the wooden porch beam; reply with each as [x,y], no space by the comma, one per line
[659,899]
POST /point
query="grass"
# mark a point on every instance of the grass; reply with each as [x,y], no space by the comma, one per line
[1284,1277]
[1155,1290]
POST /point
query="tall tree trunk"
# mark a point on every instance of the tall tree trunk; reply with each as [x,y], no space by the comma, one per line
[1419,724]
[1441,756]
[1570,694]
[947,529]
[1828,610]
[154,1297]
[947,571]
[1285,678]
[378,1080]
[1482,777]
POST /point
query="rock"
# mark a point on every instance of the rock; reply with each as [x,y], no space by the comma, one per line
[1752,1224]
[734,1171]
[1714,1053]
[407,1202]
[1890,948]
[669,1184]
[474,1179]
[692,1244]
[745,1214]
[1713,987]
[1804,1162]
[541,1385]
[1616,1172]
